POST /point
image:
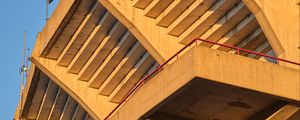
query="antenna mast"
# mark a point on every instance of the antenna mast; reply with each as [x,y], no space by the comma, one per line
[23,71]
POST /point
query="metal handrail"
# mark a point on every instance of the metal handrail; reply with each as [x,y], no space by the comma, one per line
[141,82]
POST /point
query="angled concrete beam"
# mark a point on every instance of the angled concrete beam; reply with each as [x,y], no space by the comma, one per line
[226,23]
[152,37]
[58,22]
[172,12]
[87,117]
[121,70]
[81,34]
[38,96]
[75,88]
[102,51]
[284,113]
[62,36]
[31,84]
[209,18]
[253,40]
[79,114]
[268,111]
[163,88]
[262,48]
[48,101]
[58,106]
[238,33]
[189,16]
[156,7]
[142,4]
[65,106]
[153,67]
[280,22]
[136,73]
[75,112]
[111,61]
[91,44]
[69,109]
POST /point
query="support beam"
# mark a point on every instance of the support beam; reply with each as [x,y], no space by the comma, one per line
[58,106]
[280,22]
[87,117]
[172,12]
[208,19]
[75,112]
[142,4]
[263,48]
[131,78]
[284,113]
[226,23]
[112,60]
[149,36]
[240,32]
[102,51]
[38,96]
[253,40]
[93,41]
[122,69]
[79,114]
[81,34]
[97,107]
[48,101]
[237,34]
[69,109]
[156,7]
[189,16]
[69,14]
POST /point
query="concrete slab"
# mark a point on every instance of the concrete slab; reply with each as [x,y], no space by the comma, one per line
[215,66]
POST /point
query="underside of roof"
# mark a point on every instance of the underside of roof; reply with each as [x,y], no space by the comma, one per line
[92,48]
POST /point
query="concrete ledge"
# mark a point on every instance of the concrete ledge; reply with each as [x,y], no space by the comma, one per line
[216,66]
[247,73]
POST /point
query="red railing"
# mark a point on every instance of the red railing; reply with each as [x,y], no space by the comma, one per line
[141,82]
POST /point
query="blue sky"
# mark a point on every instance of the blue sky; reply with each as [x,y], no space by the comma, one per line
[16,17]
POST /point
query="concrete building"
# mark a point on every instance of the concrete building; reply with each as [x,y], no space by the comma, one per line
[91,59]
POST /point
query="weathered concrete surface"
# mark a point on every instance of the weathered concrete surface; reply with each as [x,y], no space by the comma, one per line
[280,22]
[216,66]
[247,73]
[31,82]
[57,21]
[154,38]
[96,105]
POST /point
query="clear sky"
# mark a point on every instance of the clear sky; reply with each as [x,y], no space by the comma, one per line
[16,17]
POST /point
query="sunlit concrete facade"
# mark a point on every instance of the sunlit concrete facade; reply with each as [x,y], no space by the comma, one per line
[91,53]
